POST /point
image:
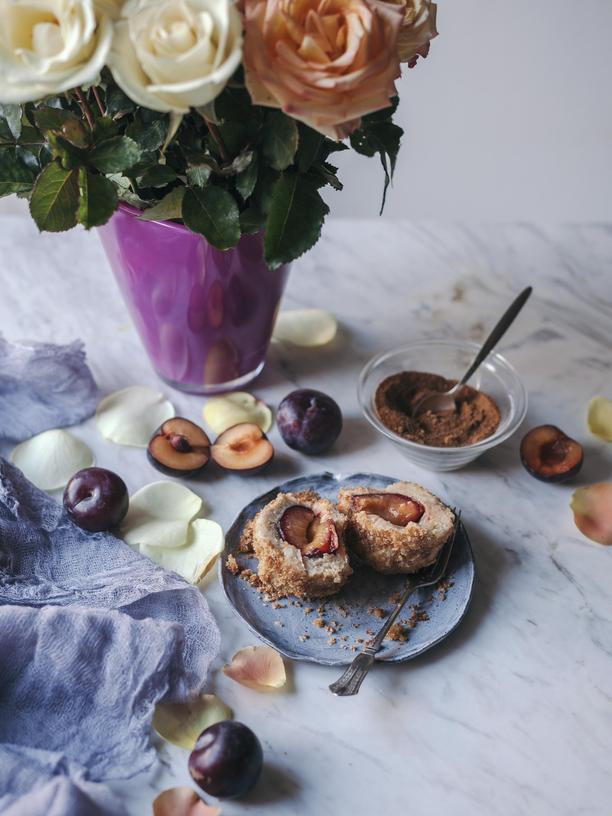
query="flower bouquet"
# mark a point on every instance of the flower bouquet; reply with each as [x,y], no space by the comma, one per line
[217,115]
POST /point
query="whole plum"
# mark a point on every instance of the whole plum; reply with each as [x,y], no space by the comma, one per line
[96,499]
[309,421]
[227,759]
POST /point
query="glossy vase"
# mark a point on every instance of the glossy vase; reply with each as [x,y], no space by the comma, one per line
[205,317]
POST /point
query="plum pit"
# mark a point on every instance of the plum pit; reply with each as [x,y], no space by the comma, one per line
[550,455]
[179,447]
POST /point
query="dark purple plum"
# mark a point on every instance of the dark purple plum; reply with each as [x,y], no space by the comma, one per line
[227,760]
[309,421]
[96,499]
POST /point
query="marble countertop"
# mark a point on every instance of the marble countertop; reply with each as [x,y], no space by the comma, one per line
[511,715]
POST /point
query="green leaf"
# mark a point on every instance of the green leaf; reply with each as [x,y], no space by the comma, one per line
[148,135]
[170,206]
[246,180]
[158,176]
[55,199]
[116,101]
[126,192]
[327,173]
[261,196]
[104,128]
[251,220]
[294,221]
[280,140]
[309,143]
[97,199]
[382,137]
[213,212]
[115,155]
[198,175]
[62,123]
[12,116]
[15,175]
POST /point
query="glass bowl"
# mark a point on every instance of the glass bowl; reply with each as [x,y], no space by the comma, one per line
[496,377]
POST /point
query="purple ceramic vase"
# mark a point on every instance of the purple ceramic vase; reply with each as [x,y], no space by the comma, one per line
[204,316]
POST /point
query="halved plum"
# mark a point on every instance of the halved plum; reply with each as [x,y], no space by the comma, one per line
[243,448]
[302,528]
[179,447]
[550,455]
[392,507]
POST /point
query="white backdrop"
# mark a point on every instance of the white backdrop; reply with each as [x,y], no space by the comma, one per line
[510,117]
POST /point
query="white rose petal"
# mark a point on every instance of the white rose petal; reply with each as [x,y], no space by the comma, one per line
[220,413]
[173,55]
[194,559]
[49,46]
[182,723]
[51,458]
[159,515]
[305,327]
[131,416]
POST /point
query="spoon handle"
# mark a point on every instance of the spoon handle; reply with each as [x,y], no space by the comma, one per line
[502,326]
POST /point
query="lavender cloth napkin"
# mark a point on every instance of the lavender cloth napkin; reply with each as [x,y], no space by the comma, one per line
[92,635]
[43,386]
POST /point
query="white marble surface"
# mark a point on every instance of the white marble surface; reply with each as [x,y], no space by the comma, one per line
[512,714]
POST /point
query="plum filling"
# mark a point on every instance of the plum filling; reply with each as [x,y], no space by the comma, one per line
[395,508]
[179,447]
[550,455]
[302,528]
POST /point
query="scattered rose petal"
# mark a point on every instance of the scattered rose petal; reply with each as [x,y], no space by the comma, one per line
[132,415]
[600,418]
[51,458]
[221,413]
[159,515]
[259,667]
[194,559]
[182,802]
[182,723]
[305,327]
[592,508]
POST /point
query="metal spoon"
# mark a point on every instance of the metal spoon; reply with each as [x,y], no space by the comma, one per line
[439,402]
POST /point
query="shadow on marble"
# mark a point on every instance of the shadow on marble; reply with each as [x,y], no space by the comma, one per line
[274,785]
[357,435]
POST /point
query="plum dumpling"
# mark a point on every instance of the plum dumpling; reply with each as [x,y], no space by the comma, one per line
[298,539]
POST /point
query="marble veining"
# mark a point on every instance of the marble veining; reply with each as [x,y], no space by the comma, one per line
[512,715]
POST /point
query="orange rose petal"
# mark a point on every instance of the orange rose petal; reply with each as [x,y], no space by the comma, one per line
[182,802]
[258,667]
[592,508]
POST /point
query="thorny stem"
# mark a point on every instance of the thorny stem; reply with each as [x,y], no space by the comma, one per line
[84,105]
[214,132]
[98,99]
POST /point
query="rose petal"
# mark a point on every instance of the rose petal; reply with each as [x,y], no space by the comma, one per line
[259,667]
[194,559]
[600,418]
[221,413]
[182,723]
[159,515]
[51,458]
[182,802]
[592,508]
[305,327]
[132,415]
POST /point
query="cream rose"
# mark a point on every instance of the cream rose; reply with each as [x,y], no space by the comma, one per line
[418,29]
[170,55]
[49,46]
[324,62]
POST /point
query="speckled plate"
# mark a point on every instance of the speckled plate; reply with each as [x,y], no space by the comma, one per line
[288,625]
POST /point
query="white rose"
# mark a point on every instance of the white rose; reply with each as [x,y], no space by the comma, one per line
[49,46]
[170,55]
[418,29]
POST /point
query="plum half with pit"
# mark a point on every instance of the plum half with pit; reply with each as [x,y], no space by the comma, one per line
[309,421]
[179,447]
[227,759]
[244,448]
[96,499]
[550,455]
[392,507]
[302,528]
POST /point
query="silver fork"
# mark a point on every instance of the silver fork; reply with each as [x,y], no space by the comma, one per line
[353,677]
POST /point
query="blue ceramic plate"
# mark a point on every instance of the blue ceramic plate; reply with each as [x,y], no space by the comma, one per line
[289,625]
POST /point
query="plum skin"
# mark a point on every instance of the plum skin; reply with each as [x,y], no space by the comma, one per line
[96,499]
[227,759]
[309,421]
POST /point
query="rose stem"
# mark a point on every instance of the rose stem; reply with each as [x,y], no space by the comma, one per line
[214,132]
[84,107]
[96,94]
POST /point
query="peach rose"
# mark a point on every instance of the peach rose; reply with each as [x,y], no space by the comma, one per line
[324,62]
[418,29]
